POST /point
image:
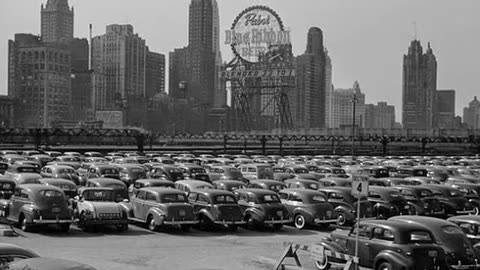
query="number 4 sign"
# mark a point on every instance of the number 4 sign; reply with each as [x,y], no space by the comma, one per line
[360,185]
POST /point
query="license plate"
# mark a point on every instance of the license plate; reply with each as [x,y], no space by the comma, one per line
[182,213]
[280,213]
[56,209]
[432,253]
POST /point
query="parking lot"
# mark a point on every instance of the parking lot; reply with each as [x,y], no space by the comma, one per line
[141,249]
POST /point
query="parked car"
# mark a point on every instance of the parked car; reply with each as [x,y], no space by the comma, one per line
[229,185]
[20,168]
[458,249]
[300,172]
[253,171]
[388,182]
[416,181]
[194,172]
[279,173]
[11,158]
[335,182]
[214,207]
[98,206]
[189,185]
[62,172]
[159,206]
[103,171]
[42,160]
[303,183]
[25,178]
[129,173]
[453,200]
[68,187]
[35,164]
[267,184]
[33,205]
[225,172]
[42,263]
[470,225]
[377,172]
[346,205]
[142,183]
[262,207]
[388,202]
[170,172]
[423,200]
[121,189]
[3,167]
[7,186]
[11,253]
[391,245]
[308,207]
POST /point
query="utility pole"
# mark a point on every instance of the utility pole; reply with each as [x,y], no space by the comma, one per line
[354,101]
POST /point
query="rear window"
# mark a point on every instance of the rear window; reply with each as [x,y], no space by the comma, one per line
[339,171]
[173,198]
[51,193]
[224,199]
[300,170]
[98,195]
[317,199]
[420,237]
[114,185]
[6,186]
[270,198]
[26,169]
[137,170]
[109,171]
[198,170]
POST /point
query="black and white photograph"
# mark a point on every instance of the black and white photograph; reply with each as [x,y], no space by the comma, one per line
[239,135]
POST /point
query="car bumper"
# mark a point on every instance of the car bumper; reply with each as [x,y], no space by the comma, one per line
[466,212]
[106,221]
[224,222]
[51,221]
[461,267]
[278,221]
[180,222]
[322,221]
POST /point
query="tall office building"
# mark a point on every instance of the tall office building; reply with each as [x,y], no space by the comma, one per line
[444,109]
[471,114]
[57,21]
[328,91]
[39,80]
[203,46]
[342,113]
[178,73]
[419,86]
[81,106]
[119,63]
[380,116]
[308,101]
[155,74]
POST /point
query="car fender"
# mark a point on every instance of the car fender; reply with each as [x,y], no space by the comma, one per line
[449,206]
[158,214]
[475,202]
[307,214]
[256,213]
[27,211]
[332,246]
[345,210]
[83,206]
[418,209]
[206,213]
[127,207]
[381,206]
[397,261]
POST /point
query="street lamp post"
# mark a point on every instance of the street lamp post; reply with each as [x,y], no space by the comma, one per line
[354,101]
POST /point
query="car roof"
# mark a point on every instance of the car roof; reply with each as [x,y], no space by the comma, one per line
[229,181]
[212,192]
[43,263]
[301,191]
[104,180]
[56,181]
[395,224]
[163,190]
[430,222]
[267,181]
[38,187]
[11,249]
[192,182]
[466,218]
[153,180]
[336,188]
[301,181]
[256,191]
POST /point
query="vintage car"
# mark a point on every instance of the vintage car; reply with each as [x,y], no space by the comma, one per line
[453,200]
[28,163]
[129,173]
[331,171]
[267,184]
[11,253]
[43,263]
[72,161]
[40,159]
[95,160]
[229,185]
[470,225]
[7,186]
[385,245]
[141,183]
[418,180]
[302,183]
[189,185]
[214,207]
[423,200]
[53,154]
[411,172]
[93,154]
[30,153]
[279,173]
[32,205]
[61,171]
[194,172]
[21,168]
[262,207]
[170,172]
[25,178]
[388,202]
[224,172]
[388,182]
[253,171]
[11,158]
[300,172]
[377,172]
[163,160]
[3,167]
[308,207]
[68,187]
[103,171]
[98,206]
[160,206]
[346,205]
[335,182]
[460,253]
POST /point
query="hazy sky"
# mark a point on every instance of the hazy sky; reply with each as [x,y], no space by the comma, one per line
[366,39]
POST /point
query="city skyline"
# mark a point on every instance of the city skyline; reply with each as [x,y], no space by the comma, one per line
[384,29]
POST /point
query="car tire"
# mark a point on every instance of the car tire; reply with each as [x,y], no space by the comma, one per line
[384,266]
[232,228]
[65,227]
[277,227]
[477,210]
[185,227]
[250,222]
[299,221]
[24,226]
[341,219]
[152,226]
[323,265]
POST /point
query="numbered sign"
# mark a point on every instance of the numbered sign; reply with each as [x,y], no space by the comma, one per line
[360,185]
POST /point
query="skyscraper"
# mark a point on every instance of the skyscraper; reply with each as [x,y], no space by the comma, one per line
[155,74]
[471,114]
[328,91]
[179,73]
[342,113]
[57,21]
[203,46]
[308,101]
[380,116]
[444,109]
[419,86]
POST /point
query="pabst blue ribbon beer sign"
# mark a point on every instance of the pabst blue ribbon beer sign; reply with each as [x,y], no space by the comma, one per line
[253,31]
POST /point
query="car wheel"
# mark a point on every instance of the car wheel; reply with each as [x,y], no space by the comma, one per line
[250,222]
[323,265]
[185,227]
[24,226]
[277,227]
[384,266]
[300,221]
[477,210]
[341,219]
[152,226]
[232,228]
[65,227]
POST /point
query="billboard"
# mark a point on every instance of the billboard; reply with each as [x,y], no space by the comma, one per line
[111,119]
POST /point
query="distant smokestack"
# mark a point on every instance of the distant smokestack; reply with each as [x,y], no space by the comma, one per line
[90,51]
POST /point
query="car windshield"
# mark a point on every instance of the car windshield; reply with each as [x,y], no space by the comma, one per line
[6,186]
[300,170]
[426,193]
[109,171]
[26,169]
[338,171]
[115,185]
[224,199]
[197,170]
[420,237]
[51,193]
[173,198]
[270,198]
[70,171]
[98,195]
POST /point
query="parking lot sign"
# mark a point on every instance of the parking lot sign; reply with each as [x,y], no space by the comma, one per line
[360,185]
